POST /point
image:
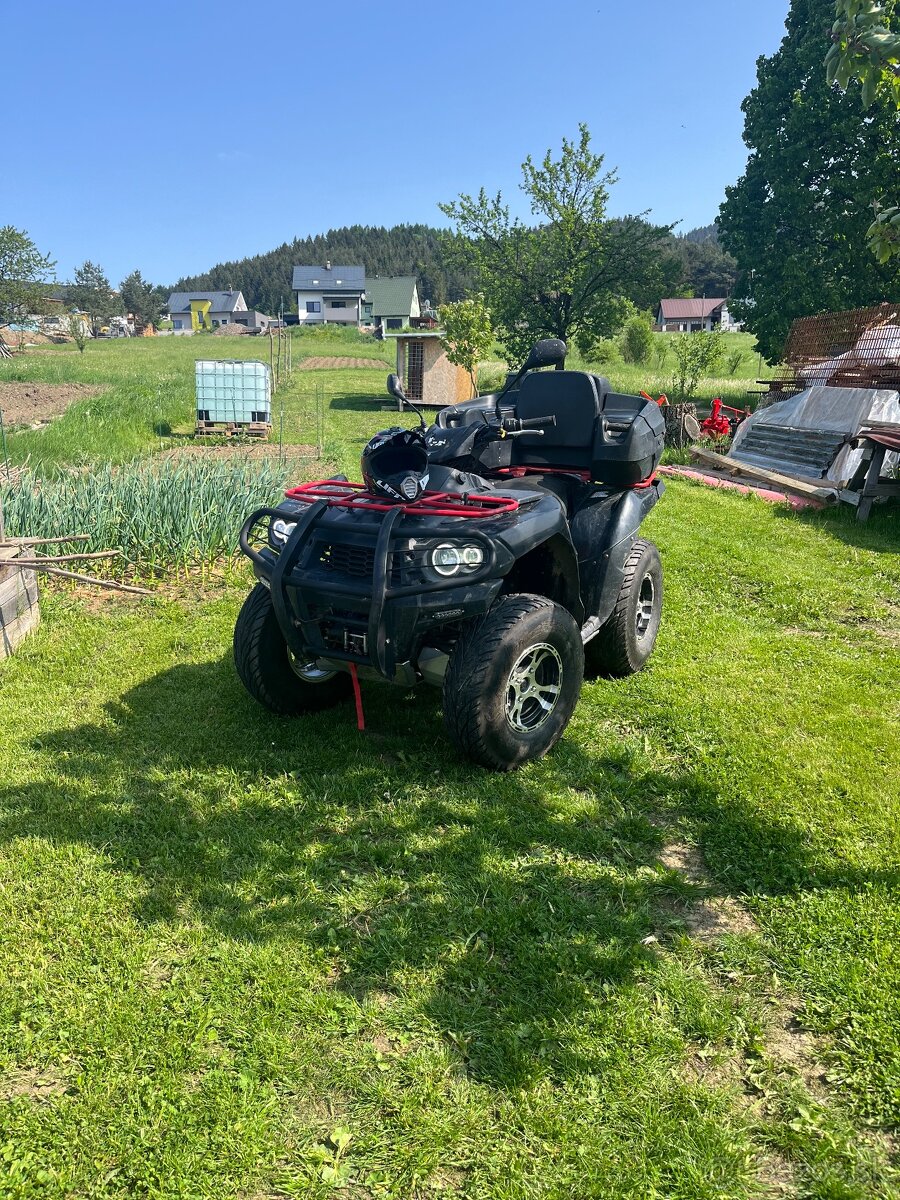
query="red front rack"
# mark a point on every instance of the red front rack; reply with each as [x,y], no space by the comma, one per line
[432,504]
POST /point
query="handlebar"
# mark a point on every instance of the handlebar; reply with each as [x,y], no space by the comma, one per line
[513,425]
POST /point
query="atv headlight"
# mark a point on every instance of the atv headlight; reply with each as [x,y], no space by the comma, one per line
[280,531]
[448,559]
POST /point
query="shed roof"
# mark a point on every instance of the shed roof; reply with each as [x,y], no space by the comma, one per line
[679,310]
[329,279]
[392,296]
[218,301]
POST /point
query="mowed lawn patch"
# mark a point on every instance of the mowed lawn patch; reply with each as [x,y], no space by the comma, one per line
[244,957]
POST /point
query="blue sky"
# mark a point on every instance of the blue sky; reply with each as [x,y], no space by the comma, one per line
[173,137]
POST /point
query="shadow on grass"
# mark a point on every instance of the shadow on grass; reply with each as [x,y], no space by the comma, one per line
[387,855]
[880,533]
[354,402]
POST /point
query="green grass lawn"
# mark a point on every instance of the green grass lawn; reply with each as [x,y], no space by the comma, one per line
[148,404]
[244,957]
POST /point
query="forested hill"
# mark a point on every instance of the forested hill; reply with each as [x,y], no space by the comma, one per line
[265,279]
[691,263]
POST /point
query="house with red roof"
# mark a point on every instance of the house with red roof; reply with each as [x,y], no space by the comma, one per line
[692,316]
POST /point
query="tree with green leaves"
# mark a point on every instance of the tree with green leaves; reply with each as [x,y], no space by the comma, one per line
[90,292]
[141,298]
[796,221]
[468,334]
[866,46]
[696,356]
[565,274]
[23,270]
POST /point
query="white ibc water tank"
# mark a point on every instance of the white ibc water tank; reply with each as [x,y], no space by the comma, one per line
[233,390]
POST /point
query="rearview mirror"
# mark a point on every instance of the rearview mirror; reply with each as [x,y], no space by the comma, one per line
[395,387]
[547,352]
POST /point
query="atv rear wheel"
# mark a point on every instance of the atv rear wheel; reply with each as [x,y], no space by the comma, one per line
[513,682]
[268,670]
[626,640]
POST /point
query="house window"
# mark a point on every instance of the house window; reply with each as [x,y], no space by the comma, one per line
[394,323]
[313,306]
[177,325]
[338,303]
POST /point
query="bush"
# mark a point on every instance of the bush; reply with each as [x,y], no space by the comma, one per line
[636,339]
[733,360]
[696,355]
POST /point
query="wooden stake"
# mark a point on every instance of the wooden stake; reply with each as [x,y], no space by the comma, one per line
[61,558]
[101,583]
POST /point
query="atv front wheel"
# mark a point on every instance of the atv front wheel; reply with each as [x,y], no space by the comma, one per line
[513,682]
[626,640]
[268,670]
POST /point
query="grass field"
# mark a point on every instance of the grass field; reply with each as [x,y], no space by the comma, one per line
[150,393]
[247,958]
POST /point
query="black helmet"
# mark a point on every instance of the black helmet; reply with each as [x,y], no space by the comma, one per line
[395,465]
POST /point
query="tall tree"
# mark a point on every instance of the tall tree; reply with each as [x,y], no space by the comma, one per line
[796,221]
[866,46]
[90,292]
[566,273]
[141,298]
[22,271]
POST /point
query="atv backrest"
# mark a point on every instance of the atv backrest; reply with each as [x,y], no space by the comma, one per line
[574,398]
[618,439]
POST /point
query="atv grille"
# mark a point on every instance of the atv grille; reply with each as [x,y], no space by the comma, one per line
[357,561]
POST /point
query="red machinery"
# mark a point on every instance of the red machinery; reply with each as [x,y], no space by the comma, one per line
[717,425]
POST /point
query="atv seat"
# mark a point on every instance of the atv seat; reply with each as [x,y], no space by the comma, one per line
[617,439]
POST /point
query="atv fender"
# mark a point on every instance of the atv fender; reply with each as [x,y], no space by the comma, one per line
[604,530]
[551,570]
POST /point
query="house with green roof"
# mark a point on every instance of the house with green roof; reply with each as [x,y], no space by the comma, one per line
[390,303]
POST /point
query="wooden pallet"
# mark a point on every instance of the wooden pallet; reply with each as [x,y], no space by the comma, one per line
[254,429]
[19,608]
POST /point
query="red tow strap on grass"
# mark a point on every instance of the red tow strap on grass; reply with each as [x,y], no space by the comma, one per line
[357,696]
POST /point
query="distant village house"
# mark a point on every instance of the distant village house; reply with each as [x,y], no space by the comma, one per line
[390,303]
[191,312]
[329,295]
[695,316]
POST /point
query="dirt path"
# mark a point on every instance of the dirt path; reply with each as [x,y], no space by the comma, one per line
[37,403]
[320,363]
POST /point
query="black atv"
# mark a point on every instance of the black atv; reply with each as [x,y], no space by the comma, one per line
[518,571]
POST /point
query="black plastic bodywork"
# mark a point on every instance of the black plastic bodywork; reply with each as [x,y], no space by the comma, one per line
[353,585]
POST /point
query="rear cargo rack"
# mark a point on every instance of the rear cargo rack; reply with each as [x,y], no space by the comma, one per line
[431,504]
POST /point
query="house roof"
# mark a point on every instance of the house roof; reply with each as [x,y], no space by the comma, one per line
[391,297]
[680,310]
[218,301]
[329,279]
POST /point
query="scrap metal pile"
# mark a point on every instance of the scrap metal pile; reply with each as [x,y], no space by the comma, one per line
[835,434]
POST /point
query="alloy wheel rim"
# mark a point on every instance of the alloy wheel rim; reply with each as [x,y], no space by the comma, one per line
[533,688]
[308,671]
[644,612]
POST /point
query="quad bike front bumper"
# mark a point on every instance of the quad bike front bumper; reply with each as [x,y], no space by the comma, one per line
[356,591]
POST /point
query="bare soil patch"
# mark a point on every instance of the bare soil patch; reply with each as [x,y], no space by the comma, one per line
[38,403]
[322,363]
[260,452]
[32,1083]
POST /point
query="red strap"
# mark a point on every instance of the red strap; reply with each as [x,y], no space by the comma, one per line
[357,696]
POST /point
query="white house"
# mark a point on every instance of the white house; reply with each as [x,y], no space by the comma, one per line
[692,316]
[329,294]
[391,302]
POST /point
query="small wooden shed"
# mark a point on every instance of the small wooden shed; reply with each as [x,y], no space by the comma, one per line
[429,378]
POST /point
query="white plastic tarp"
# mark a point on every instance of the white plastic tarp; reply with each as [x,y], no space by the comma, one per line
[845,410]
